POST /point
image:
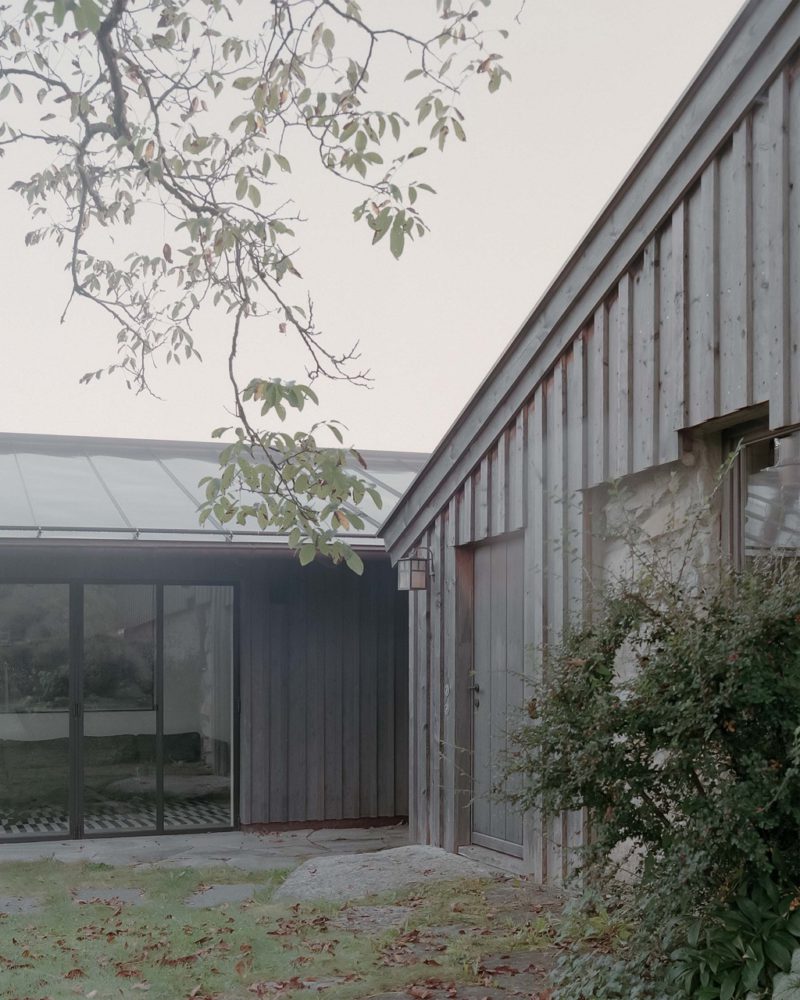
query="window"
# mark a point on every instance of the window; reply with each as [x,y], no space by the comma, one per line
[764,495]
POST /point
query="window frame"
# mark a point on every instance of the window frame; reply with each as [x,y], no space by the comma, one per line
[741,437]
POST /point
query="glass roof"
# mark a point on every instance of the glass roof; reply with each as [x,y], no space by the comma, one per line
[71,487]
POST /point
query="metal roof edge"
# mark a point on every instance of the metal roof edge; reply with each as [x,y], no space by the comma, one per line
[91,442]
[456,454]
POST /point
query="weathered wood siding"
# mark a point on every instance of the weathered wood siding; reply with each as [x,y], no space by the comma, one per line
[324,680]
[702,321]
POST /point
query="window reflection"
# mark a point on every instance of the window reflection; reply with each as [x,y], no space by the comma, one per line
[772,507]
[198,726]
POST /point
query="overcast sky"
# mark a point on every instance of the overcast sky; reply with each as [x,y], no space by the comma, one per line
[593,79]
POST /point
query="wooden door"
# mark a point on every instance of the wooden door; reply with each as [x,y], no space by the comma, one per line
[497,688]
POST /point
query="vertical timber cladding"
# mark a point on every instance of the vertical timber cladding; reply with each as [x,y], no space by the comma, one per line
[496,688]
[324,681]
[704,322]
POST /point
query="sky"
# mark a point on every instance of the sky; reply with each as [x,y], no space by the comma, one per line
[592,81]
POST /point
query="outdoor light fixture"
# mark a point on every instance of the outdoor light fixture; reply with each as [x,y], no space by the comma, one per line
[413,570]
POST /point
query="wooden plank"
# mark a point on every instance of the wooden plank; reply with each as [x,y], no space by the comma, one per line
[385,667]
[494,691]
[516,474]
[349,641]
[482,495]
[482,670]
[555,505]
[421,735]
[780,408]
[299,697]
[247,623]
[620,381]
[466,507]
[402,740]
[462,696]
[673,340]
[704,297]
[555,567]
[450,781]
[435,588]
[364,700]
[645,360]
[597,398]
[736,272]
[278,708]
[332,614]
[315,714]
[760,208]
[794,242]
[534,612]
[514,692]
[415,723]
[498,478]
[576,446]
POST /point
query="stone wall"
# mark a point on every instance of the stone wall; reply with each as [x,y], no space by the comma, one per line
[668,518]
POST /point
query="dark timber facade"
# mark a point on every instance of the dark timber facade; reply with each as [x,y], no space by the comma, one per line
[158,676]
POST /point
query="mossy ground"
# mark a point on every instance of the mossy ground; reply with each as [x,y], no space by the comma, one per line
[163,949]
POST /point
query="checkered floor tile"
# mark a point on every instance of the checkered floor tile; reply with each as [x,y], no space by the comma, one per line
[132,816]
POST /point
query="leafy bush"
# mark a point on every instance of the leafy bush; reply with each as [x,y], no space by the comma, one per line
[739,950]
[675,718]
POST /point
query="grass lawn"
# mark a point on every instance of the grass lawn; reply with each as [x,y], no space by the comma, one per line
[434,941]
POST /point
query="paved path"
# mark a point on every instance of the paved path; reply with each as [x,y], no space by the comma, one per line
[244,851]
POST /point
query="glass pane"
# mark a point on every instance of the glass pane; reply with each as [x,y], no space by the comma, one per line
[198,706]
[119,722]
[65,492]
[34,716]
[147,494]
[772,509]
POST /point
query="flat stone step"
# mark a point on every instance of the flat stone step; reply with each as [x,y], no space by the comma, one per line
[111,897]
[19,904]
[219,895]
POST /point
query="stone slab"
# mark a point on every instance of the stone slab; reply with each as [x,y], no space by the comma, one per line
[370,919]
[134,897]
[19,904]
[354,876]
[220,895]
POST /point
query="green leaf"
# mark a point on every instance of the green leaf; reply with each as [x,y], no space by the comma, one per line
[354,562]
[306,554]
[778,955]
[397,237]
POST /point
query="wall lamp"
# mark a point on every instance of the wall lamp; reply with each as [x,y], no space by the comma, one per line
[414,569]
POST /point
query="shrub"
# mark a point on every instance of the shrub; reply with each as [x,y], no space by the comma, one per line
[674,717]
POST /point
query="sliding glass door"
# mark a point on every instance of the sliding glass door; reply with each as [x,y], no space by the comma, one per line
[118,751]
[35,789]
[116,709]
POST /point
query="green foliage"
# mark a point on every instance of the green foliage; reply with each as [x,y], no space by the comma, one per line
[673,717]
[738,950]
[288,482]
[185,118]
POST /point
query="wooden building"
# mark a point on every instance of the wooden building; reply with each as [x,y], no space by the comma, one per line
[159,676]
[671,332]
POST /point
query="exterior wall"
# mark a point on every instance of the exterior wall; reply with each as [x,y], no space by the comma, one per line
[324,678]
[697,327]
[673,511]
[323,669]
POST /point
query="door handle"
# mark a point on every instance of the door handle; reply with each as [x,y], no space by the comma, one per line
[476,690]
